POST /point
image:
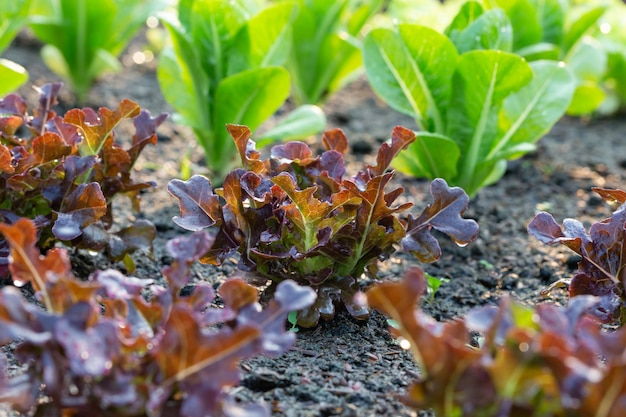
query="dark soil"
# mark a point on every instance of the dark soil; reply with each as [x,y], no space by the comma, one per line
[349,368]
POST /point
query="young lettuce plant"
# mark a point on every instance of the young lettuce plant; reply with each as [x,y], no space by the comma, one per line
[602,269]
[63,172]
[101,348]
[326,51]
[13,16]
[298,216]
[84,38]
[555,29]
[225,66]
[476,106]
[542,361]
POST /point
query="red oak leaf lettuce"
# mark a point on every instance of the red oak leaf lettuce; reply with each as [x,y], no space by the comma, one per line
[542,361]
[298,216]
[64,171]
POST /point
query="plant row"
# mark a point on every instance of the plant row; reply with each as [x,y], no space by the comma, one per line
[487,86]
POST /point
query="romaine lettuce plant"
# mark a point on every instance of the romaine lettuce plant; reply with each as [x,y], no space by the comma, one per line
[225,66]
[84,38]
[542,361]
[64,172]
[101,348]
[602,269]
[298,216]
[326,51]
[554,29]
[476,107]
[13,16]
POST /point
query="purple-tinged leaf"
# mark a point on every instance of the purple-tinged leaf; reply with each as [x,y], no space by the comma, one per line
[12,114]
[91,350]
[237,294]
[27,264]
[49,147]
[563,360]
[47,99]
[445,214]
[199,206]
[298,152]
[185,251]
[136,237]
[82,207]
[601,270]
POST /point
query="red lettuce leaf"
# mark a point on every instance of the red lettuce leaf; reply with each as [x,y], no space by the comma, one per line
[83,206]
[199,206]
[445,215]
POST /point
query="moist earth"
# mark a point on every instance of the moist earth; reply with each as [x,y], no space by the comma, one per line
[346,367]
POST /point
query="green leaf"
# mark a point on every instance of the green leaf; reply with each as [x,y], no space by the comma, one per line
[411,70]
[482,81]
[315,21]
[12,76]
[541,50]
[214,24]
[103,62]
[54,59]
[467,14]
[247,98]
[587,98]
[362,14]
[339,62]
[304,121]
[552,18]
[184,89]
[581,25]
[130,17]
[526,23]
[431,156]
[13,15]
[490,30]
[531,112]
[264,41]
[78,29]
[588,60]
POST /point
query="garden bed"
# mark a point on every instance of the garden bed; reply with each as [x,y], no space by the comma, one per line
[351,368]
